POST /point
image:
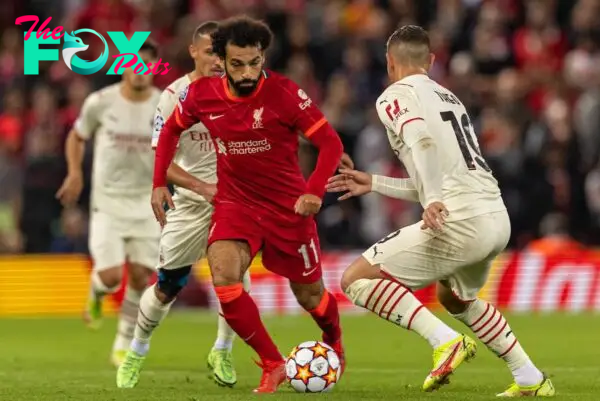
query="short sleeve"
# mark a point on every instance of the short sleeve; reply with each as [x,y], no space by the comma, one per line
[301,111]
[166,105]
[185,112]
[396,109]
[89,116]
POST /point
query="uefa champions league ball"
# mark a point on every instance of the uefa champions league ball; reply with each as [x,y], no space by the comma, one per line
[313,367]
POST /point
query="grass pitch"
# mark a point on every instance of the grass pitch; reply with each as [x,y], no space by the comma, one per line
[58,359]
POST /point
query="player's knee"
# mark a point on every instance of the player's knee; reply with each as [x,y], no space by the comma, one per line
[359,269]
[171,282]
[111,277]
[139,276]
[308,295]
[451,302]
[227,261]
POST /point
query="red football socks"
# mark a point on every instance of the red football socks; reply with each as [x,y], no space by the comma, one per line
[327,316]
[241,313]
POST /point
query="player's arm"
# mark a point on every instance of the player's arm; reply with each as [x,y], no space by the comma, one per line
[322,136]
[175,174]
[401,113]
[398,188]
[181,119]
[357,183]
[83,129]
[304,117]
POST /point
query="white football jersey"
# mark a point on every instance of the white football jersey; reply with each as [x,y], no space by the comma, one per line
[195,152]
[468,186]
[123,156]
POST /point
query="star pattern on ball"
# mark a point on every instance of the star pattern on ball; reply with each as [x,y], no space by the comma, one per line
[293,353]
[330,377]
[319,350]
[303,374]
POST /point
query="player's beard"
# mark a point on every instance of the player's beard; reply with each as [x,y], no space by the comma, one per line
[243,87]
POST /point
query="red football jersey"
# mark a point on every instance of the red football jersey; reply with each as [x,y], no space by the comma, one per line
[256,140]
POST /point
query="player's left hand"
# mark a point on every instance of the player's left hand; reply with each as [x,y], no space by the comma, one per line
[308,204]
[434,216]
[346,162]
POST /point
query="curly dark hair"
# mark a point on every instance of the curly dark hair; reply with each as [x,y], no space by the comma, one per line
[243,32]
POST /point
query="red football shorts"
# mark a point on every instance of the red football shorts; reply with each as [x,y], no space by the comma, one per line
[289,251]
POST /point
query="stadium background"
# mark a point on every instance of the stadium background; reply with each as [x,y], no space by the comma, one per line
[528,71]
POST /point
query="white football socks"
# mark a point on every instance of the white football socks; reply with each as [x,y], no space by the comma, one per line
[127,319]
[395,303]
[488,324]
[150,313]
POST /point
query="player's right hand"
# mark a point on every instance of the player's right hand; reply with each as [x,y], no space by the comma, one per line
[69,191]
[207,191]
[353,182]
[434,216]
[160,196]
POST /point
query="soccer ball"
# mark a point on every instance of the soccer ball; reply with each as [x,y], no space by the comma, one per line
[313,367]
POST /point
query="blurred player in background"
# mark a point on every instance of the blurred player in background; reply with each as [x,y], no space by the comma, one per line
[465,223]
[183,240]
[262,201]
[122,226]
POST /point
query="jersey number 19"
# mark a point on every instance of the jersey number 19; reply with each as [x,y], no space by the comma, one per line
[466,143]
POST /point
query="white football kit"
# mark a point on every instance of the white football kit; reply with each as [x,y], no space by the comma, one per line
[184,238]
[416,111]
[122,224]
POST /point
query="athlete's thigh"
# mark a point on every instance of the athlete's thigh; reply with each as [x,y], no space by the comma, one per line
[492,235]
[141,245]
[184,238]
[106,242]
[293,252]
[416,257]
[231,222]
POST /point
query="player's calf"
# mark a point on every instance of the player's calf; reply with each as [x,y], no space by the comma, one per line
[490,326]
[102,282]
[155,304]
[228,261]
[137,281]
[323,308]
[389,299]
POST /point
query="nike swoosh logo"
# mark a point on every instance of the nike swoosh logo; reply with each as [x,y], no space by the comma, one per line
[308,273]
[214,117]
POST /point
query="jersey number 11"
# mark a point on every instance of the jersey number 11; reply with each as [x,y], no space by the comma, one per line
[466,143]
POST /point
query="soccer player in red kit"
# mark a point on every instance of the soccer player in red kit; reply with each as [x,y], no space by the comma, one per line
[254,117]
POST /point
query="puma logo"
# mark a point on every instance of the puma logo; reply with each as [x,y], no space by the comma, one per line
[376,252]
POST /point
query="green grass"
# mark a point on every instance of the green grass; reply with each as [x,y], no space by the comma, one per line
[58,359]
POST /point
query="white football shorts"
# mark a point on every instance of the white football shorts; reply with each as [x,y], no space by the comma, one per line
[114,240]
[461,254]
[184,238]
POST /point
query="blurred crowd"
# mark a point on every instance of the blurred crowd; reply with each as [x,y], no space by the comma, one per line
[528,71]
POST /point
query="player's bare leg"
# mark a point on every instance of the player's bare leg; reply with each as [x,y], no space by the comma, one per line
[137,281]
[228,262]
[389,299]
[323,308]
[102,282]
[488,324]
